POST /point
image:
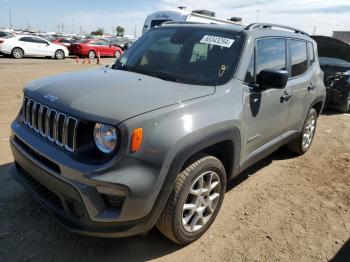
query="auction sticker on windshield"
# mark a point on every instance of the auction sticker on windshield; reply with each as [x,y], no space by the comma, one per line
[217,40]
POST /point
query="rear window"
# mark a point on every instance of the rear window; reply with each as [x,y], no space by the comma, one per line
[155,23]
[299,57]
[83,41]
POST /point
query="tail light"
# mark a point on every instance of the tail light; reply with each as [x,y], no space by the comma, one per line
[1,41]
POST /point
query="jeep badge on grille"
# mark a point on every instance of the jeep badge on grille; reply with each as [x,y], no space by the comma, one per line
[51,98]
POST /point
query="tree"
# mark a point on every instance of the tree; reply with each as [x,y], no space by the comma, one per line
[120,31]
[99,31]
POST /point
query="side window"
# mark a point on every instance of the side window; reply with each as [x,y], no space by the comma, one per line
[26,39]
[250,75]
[39,41]
[311,51]
[299,57]
[270,54]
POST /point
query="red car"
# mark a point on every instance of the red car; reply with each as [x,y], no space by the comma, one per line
[92,47]
[62,41]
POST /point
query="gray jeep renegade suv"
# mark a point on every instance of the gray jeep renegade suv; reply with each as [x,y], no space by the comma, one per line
[154,139]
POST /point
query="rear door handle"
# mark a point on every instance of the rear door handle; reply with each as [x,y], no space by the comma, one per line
[311,87]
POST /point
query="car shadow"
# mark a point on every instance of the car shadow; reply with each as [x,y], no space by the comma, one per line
[343,254]
[28,232]
[330,112]
[281,154]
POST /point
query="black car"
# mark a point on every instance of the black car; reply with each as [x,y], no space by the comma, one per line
[334,56]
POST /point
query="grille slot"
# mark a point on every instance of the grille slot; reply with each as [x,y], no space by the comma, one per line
[57,127]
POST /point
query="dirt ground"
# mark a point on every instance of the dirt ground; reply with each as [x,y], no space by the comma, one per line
[284,208]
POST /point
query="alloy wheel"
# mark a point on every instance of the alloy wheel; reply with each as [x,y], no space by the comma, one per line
[201,201]
[92,55]
[309,131]
[17,53]
[59,54]
[117,54]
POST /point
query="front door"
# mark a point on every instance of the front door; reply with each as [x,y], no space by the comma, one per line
[266,111]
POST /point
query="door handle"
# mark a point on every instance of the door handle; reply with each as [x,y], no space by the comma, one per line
[285,97]
[311,87]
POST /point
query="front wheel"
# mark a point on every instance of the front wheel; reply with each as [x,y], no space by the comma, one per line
[302,144]
[59,54]
[194,201]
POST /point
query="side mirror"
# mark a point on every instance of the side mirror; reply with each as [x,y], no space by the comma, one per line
[270,78]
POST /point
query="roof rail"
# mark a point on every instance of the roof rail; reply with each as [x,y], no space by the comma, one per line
[251,27]
[181,23]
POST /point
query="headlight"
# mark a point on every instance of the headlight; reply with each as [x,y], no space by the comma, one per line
[105,137]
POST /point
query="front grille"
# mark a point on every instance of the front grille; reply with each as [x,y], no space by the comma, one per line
[55,126]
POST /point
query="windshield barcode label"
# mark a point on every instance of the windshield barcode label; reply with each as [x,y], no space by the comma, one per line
[216,40]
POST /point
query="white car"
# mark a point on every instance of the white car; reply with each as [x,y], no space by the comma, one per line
[28,45]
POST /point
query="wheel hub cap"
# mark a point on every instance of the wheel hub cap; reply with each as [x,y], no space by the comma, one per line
[201,201]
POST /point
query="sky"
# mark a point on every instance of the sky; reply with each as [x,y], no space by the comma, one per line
[321,16]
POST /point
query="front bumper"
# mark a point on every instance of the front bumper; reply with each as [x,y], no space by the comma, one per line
[79,202]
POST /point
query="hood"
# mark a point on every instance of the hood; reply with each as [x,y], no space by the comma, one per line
[110,94]
[330,47]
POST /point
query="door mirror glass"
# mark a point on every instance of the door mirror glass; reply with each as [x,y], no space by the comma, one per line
[270,78]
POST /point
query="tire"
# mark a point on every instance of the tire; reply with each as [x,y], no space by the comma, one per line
[185,225]
[302,144]
[91,54]
[59,54]
[117,54]
[17,53]
[345,108]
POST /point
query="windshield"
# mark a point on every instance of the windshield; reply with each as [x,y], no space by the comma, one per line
[186,55]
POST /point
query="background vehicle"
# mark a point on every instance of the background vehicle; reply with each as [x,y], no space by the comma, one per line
[122,42]
[5,35]
[63,41]
[182,15]
[90,48]
[154,139]
[334,56]
[27,45]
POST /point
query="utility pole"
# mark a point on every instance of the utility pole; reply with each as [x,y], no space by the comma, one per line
[28,25]
[81,29]
[58,28]
[315,27]
[257,15]
[10,15]
[135,32]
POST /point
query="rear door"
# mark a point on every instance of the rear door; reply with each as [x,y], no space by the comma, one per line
[300,84]
[265,111]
